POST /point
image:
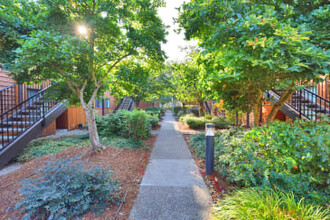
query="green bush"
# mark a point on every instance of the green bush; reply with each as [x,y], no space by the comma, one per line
[46,146]
[292,157]
[176,109]
[137,125]
[208,117]
[193,121]
[155,109]
[64,189]
[112,123]
[180,113]
[153,119]
[221,122]
[265,204]
[130,124]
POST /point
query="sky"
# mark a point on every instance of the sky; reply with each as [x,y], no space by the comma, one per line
[175,41]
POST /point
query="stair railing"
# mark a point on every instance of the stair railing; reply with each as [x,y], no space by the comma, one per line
[8,98]
[22,116]
[308,104]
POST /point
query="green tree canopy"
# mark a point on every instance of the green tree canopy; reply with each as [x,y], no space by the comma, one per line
[252,46]
[79,44]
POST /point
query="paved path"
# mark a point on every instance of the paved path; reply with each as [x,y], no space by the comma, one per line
[170,188]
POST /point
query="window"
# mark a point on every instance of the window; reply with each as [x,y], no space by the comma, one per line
[98,103]
[107,103]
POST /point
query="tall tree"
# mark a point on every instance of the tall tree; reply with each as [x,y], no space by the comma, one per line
[255,45]
[141,80]
[79,44]
[188,83]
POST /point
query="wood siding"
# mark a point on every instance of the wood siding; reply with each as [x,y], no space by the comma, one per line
[71,118]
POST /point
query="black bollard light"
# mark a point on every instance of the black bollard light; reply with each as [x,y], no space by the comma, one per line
[209,156]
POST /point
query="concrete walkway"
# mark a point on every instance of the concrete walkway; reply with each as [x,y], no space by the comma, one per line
[170,188]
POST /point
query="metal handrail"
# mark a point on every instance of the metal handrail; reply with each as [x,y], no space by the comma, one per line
[18,119]
[8,98]
[308,104]
[8,87]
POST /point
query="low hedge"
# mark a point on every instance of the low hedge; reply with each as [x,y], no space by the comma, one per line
[198,122]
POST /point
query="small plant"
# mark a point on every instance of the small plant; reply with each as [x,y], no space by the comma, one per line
[64,189]
[259,203]
[221,122]
[46,146]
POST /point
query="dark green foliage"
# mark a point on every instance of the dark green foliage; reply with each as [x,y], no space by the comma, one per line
[221,122]
[155,109]
[137,125]
[180,113]
[65,189]
[153,119]
[129,124]
[266,204]
[115,141]
[45,146]
[293,157]
[176,109]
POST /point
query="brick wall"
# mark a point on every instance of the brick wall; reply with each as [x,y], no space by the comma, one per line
[5,79]
[144,105]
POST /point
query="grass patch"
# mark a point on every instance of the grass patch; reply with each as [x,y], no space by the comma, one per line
[256,203]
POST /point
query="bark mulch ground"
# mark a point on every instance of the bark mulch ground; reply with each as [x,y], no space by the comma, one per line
[218,187]
[128,166]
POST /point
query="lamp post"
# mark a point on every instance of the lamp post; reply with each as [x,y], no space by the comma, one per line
[209,152]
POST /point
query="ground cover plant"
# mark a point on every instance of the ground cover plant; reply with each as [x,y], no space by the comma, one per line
[65,189]
[45,146]
[257,203]
[291,157]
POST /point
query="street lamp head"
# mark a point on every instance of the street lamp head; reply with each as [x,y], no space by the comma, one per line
[82,30]
[104,14]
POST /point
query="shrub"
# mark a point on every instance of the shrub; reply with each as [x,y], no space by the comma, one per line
[46,146]
[265,204]
[221,122]
[153,119]
[155,109]
[135,124]
[292,157]
[64,189]
[193,121]
[180,113]
[208,117]
[176,109]
[111,124]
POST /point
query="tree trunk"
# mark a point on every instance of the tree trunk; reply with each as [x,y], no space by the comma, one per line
[200,109]
[284,98]
[184,107]
[92,129]
[256,108]
[137,103]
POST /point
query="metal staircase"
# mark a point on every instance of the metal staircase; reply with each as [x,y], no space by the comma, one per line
[125,104]
[21,123]
[303,103]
